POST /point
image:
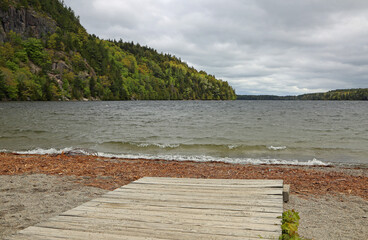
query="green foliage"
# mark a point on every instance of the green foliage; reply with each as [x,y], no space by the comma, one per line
[343,94]
[8,86]
[3,86]
[290,224]
[11,65]
[25,84]
[359,94]
[34,49]
[71,64]
[54,42]
[22,56]
[4,5]
[64,17]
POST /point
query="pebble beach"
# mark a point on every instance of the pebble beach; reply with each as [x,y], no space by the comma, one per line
[332,201]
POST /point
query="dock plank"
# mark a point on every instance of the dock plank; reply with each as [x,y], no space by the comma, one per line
[184,189]
[178,209]
[194,205]
[172,208]
[168,216]
[208,181]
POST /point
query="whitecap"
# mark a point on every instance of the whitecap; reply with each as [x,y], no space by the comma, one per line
[277,148]
[167,145]
[158,145]
[53,151]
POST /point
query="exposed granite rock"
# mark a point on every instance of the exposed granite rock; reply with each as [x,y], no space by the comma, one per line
[25,22]
[2,32]
[34,68]
[60,66]
[57,79]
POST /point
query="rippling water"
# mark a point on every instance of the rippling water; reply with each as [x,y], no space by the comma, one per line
[293,132]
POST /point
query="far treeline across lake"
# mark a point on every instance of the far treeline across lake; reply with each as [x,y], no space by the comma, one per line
[359,94]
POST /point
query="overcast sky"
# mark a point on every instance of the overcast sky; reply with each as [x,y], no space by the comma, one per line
[259,46]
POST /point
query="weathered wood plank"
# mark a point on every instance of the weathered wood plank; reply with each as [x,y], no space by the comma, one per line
[209,181]
[202,191]
[286,192]
[157,230]
[197,205]
[207,189]
[57,233]
[172,208]
[231,222]
[150,221]
[178,209]
[36,236]
[134,234]
[243,191]
[199,185]
[195,199]
[160,213]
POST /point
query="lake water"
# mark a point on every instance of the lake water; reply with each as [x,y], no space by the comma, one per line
[279,132]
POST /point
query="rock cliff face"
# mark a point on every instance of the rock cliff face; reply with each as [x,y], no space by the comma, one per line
[25,22]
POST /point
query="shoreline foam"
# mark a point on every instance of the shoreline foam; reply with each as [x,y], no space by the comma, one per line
[174,157]
[35,186]
[110,173]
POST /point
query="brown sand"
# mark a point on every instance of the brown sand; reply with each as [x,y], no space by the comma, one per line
[333,202]
[29,199]
[331,217]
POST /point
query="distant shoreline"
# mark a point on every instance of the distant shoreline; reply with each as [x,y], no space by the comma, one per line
[296,100]
[356,94]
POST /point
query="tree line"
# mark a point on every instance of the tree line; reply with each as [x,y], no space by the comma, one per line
[357,94]
[68,63]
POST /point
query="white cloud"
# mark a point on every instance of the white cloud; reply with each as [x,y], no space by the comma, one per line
[258,46]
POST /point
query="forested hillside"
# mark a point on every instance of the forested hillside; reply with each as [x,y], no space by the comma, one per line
[359,94]
[341,94]
[45,54]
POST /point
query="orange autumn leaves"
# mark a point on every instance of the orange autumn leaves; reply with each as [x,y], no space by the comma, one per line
[109,173]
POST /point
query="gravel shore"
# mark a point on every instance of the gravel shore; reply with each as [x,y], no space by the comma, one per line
[332,202]
[29,199]
[331,217]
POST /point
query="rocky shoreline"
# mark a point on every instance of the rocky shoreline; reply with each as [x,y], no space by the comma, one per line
[111,173]
[332,201]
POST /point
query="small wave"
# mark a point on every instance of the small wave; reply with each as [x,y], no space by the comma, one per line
[157,145]
[139,145]
[203,158]
[25,131]
[143,146]
[54,151]
[232,146]
[197,158]
[277,148]
[42,151]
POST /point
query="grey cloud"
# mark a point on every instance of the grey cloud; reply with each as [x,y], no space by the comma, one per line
[258,46]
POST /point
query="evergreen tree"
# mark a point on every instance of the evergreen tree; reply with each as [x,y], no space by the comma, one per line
[69,63]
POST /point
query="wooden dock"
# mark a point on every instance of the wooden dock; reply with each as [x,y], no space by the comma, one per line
[172,208]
